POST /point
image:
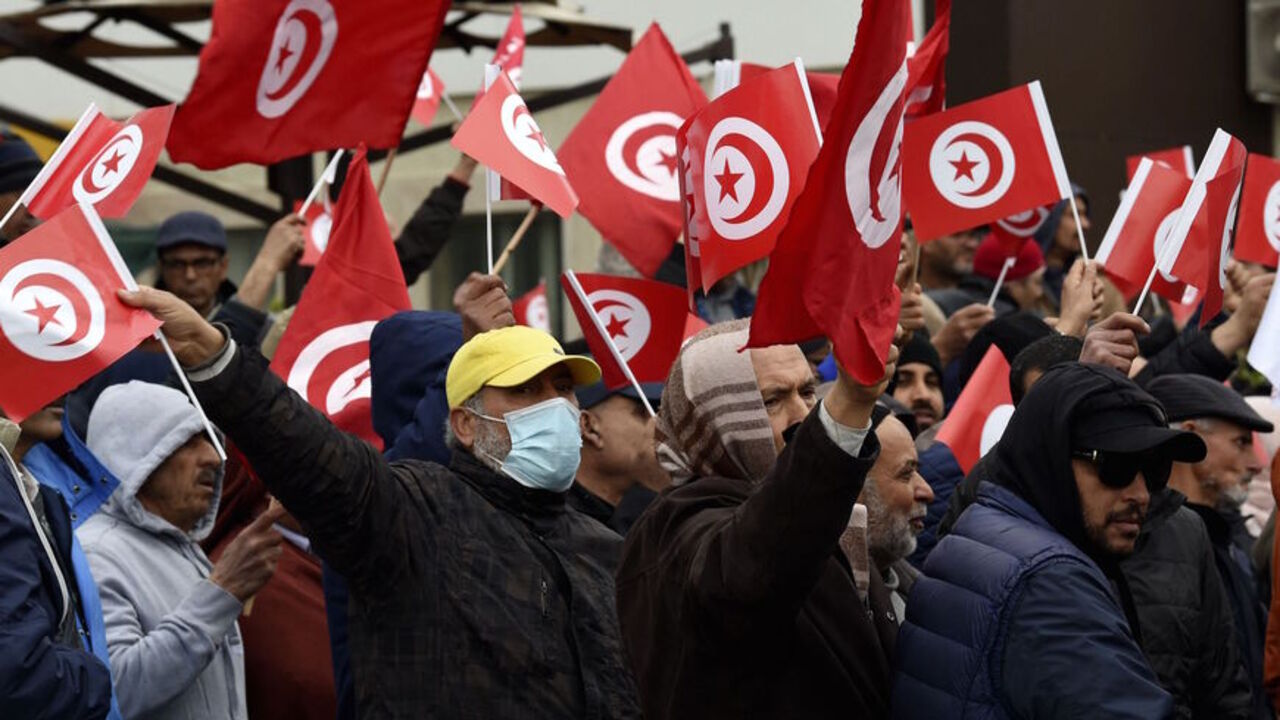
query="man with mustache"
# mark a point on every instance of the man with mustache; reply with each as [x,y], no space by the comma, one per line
[918,383]
[170,614]
[1022,611]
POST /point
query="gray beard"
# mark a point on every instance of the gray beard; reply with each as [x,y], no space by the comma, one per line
[889,536]
[491,446]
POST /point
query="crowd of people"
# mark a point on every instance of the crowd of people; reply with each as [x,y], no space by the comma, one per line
[779,541]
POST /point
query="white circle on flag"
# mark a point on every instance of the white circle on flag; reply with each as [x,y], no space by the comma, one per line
[1271,216]
[993,428]
[536,314]
[349,385]
[51,311]
[972,164]
[745,178]
[1161,238]
[523,133]
[300,47]
[321,226]
[1224,251]
[1024,224]
[109,167]
[641,154]
[877,218]
[625,319]
[426,88]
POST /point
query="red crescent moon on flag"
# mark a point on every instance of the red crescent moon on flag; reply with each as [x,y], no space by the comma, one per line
[79,304]
[995,161]
[761,171]
[310,49]
[86,176]
[631,148]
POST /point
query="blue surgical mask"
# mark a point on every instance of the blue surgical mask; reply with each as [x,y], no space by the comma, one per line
[546,444]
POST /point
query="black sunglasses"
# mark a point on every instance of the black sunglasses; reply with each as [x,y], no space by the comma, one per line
[1117,470]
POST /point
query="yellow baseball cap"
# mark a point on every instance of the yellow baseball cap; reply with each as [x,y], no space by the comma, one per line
[507,357]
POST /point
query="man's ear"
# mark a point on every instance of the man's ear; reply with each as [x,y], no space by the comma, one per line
[1188,425]
[589,424]
[463,424]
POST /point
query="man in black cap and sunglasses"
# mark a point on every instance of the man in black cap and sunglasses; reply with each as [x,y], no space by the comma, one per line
[1022,609]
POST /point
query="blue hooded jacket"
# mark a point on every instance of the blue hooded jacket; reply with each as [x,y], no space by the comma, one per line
[409,354]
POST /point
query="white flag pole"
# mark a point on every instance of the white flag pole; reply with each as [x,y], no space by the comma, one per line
[491,73]
[613,349]
[328,177]
[453,108]
[1008,263]
[1161,259]
[1084,251]
[37,184]
[109,247]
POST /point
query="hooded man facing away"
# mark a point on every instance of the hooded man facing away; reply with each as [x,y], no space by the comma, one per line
[170,614]
[1022,610]
[736,594]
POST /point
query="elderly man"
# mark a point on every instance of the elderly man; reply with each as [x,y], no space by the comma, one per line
[896,497]
[170,614]
[619,474]
[1215,488]
[474,591]
[1016,614]
[734,597]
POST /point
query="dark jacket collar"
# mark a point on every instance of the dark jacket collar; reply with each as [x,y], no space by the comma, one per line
[1219,530]
[589,504]
[505,493]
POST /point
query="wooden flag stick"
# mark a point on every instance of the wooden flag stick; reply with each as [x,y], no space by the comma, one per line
[516,237]
[386,169]
[1008,263]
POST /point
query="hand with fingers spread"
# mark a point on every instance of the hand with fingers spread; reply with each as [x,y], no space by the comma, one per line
[959,329]
[1082,295]
[193,339]
[1114,341]
[249,560]
[483,303]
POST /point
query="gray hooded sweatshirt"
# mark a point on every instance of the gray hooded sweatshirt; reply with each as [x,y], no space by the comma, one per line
[171,632]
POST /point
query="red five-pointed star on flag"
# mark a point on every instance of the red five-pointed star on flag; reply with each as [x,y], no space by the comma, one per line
[964,166]
[728,182]
[44,314]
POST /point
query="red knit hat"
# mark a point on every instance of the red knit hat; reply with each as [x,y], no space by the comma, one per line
[989,259]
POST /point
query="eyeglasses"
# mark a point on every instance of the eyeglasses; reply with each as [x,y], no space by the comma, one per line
[1117,470]
[200,265]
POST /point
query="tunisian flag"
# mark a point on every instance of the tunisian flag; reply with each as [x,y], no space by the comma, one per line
[531,308]
[101,162]
[822,88]
[280,78]
[622,154]
[645,319]
[60,320]
[1222,200]
[833,270]
[1178,158]
[324,354]
[1258,234]
[749,152]
[500,132]
[427,100]
[1016,229]
[1140,228]
[981,161]
[1194,238]
[982,411]
[319,219]
[927,68]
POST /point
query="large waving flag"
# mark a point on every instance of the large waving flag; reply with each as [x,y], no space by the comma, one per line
[280,78]
[622,154]
[60,320]
[833,270]
[324,354]
[982,161]
[101,162]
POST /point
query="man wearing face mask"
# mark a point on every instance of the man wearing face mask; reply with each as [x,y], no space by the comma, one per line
[1215,488]
[475,591]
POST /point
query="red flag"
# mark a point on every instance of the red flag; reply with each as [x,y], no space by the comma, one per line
[982,411]
[531,308]
[981,161]
[60,320]
[427,101]
[324,354]
[622,154]
[645,319]
[688,203]
[693,325]
[1178,158]
[927,69]
[1016,229]
[1222,199]
[822,88]
[749,151]
[1258,234]
[833,270]
[500,132]
[280,78]
[319,219]
[101,162]
[509,55]
[1193,238]
[1141,227]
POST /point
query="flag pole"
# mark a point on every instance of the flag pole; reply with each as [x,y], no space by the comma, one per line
[1008,263]
[488,216]
[12,209]
[1151,277]
[613,349]
[1084,251]
[386,169]
[327,177]
[186,385]
[453,108]
[516,237]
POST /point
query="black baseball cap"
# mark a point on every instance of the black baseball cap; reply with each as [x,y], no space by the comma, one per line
[1186,397]
[591,395]
[1116,425]
[192,227]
